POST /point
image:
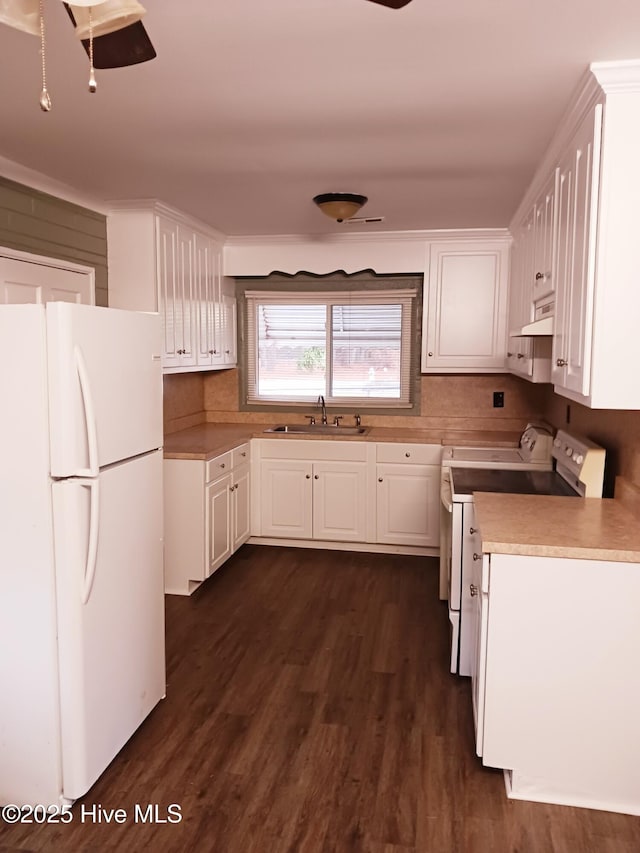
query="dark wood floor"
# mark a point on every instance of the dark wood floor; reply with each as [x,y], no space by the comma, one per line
[309,709]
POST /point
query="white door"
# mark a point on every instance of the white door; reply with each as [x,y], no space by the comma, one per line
[465,307]
[105,386]
[110,612]
[339,501]
[218,532]
[241,531]
[408,505]
[286,498]
[29,281]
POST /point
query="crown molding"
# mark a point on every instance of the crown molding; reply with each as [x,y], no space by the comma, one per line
[441,235]
[154,205]
[600,80]
[617,77]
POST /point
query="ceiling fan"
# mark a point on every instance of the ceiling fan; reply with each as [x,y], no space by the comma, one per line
[392,4]
[110,30]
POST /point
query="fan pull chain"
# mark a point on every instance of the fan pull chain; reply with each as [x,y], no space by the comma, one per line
[45,100]
[92,72]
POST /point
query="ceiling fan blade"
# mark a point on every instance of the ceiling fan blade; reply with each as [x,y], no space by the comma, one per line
[392,4]
[124,47]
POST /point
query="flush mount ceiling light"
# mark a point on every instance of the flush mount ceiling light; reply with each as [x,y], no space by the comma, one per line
[340,206]
[110,31]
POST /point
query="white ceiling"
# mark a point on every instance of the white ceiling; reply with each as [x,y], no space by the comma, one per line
[438,112]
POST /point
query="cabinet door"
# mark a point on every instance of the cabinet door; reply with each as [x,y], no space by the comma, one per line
[228,320]
[578,175]
[286,498]
[465,305]
[207,294]
[339,501]
[175,293]
[218,528]
[408,505]
[519,350]
[241,504]
[543,282]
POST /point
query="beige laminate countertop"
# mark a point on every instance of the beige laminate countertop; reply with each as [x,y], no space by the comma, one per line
[546,526]
[205,441]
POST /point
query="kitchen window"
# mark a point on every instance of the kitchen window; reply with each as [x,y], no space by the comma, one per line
[352,347]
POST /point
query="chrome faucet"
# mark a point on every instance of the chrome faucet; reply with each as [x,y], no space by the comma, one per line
[323,408]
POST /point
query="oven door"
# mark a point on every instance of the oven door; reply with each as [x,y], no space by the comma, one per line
[451,561]
[446,507]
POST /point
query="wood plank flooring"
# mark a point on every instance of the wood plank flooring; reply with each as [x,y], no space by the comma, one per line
[309,709]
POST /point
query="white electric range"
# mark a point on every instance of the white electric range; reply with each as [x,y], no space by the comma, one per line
[529,469]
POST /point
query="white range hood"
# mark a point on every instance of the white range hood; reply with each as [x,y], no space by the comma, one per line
[544,326]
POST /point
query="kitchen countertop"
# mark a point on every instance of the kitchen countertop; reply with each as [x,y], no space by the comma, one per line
[205,441]
[545,526]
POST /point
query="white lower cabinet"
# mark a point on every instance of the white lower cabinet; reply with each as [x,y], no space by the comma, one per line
[206,516]
[408,494]
[314,500]
[554,704]
[381,495]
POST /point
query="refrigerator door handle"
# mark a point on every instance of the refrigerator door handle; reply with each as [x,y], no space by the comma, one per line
[89,414]
[92,547]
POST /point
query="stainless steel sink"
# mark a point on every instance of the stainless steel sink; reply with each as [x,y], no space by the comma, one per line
[318,429]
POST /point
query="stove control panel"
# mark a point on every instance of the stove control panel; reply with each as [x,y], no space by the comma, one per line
[536,442]
[581,463]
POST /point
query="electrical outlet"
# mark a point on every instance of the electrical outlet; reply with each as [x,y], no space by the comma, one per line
[498,399]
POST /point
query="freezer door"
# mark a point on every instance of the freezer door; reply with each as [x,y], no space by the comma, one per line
[105,386]
[110,601]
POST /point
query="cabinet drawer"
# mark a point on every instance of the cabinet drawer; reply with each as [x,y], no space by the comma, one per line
[241,455]
[423,454]
[218,466]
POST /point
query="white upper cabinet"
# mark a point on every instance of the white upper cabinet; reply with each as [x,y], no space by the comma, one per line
[592,167]
[576,235]
[465,307]
[161,261]
[544,216]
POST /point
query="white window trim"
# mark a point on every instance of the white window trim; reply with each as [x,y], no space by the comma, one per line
[329,298]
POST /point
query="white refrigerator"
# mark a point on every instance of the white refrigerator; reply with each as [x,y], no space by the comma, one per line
[81,578]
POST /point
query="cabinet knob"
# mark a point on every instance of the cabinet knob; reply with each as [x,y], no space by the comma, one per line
[473,589]
[212,352]
[379,479]
[244,453]
[539,276]
[408,455]
[520,355]
[222,464]
[316,477]
[307,476]
[227,351]
[430,354]
[509,355]
[477,556]
[561,362]
[472,530]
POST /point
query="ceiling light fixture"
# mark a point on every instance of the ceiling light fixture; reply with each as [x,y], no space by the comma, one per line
[340,206]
